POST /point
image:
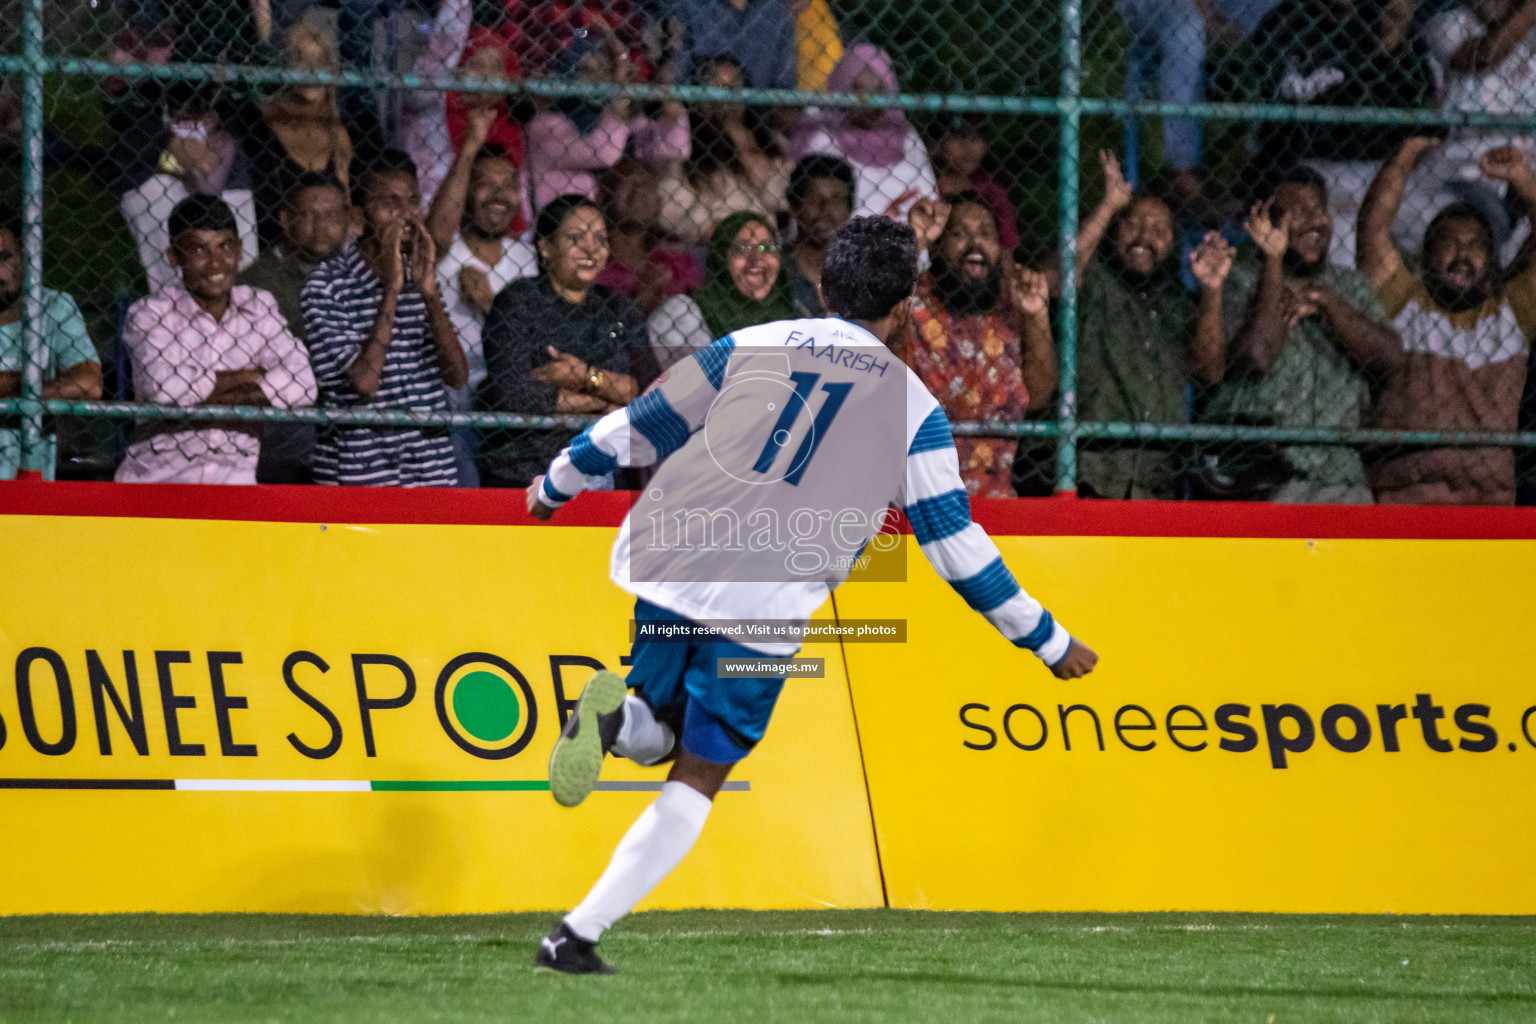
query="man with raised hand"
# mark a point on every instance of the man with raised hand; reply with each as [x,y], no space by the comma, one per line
[470,222]
[1142,339]
[813,425]
[979,337]
[1465,324]
[1307,339]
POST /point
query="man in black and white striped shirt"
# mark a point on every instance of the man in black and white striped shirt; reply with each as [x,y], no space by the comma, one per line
[380,338]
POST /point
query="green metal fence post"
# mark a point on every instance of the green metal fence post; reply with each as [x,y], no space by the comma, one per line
[1071,123]
[33,449]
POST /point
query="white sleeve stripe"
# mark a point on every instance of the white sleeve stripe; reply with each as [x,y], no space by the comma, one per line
[961,555]
[931,473]
[1017,617]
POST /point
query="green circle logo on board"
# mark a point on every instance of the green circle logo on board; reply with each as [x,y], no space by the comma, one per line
[486,707]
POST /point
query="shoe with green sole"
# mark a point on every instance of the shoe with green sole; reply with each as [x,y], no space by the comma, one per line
[577,760]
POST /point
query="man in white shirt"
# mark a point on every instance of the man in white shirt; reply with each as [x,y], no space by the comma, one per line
[204,340]
[470,219]
[1484,58]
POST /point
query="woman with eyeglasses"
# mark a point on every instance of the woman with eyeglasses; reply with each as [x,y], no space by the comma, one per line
[744,285]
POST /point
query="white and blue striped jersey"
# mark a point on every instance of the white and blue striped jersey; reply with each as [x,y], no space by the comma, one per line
[807,426]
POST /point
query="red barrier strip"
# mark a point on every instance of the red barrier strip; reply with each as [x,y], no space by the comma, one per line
[1001,517]
[443,506]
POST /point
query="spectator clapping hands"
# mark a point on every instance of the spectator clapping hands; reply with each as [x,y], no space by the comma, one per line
[928,217]
[1030,290]
[1211,262]
[1118,192]
[1271,237]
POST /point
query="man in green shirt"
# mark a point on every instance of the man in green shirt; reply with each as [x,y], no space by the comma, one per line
[1308,338]
[71,367]
[1142,338]
[316,218]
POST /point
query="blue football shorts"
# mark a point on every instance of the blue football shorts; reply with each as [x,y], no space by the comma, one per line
[718,720]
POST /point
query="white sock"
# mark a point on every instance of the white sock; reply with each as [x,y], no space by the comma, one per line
[655,844]
[641,738]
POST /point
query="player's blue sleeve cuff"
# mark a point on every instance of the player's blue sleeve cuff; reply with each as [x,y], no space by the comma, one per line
[549,496]
[1053,650]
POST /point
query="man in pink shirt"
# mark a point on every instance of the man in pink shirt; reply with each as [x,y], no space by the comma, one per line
[204,340]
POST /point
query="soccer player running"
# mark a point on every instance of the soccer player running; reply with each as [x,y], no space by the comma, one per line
[783,446]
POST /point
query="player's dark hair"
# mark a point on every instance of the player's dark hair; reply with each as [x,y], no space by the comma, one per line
[10,220]
[313,179]
[819,165]
[389,161]
[201,213]
[1295,174]
[871,266]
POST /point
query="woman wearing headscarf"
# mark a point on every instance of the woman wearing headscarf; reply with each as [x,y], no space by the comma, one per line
[576,139]
[558,343]
[889,160]
[744,285]
[433,124]
[295,131]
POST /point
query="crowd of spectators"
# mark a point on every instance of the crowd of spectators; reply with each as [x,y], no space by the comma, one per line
[490,251]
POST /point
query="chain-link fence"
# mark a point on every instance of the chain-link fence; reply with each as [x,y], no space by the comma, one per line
[1252,249]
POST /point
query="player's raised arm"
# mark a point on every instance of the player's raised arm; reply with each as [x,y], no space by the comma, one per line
[642,433]
[960,551]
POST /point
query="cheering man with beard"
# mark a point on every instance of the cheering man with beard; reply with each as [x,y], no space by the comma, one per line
[1141,338]
[979,337]
[1464,326]
[1308,339]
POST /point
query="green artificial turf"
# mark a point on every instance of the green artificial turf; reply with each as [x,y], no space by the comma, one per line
[843,966]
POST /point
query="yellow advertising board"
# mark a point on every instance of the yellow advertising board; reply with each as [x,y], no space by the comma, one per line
[225,699]
[297,716]
[1277,724]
